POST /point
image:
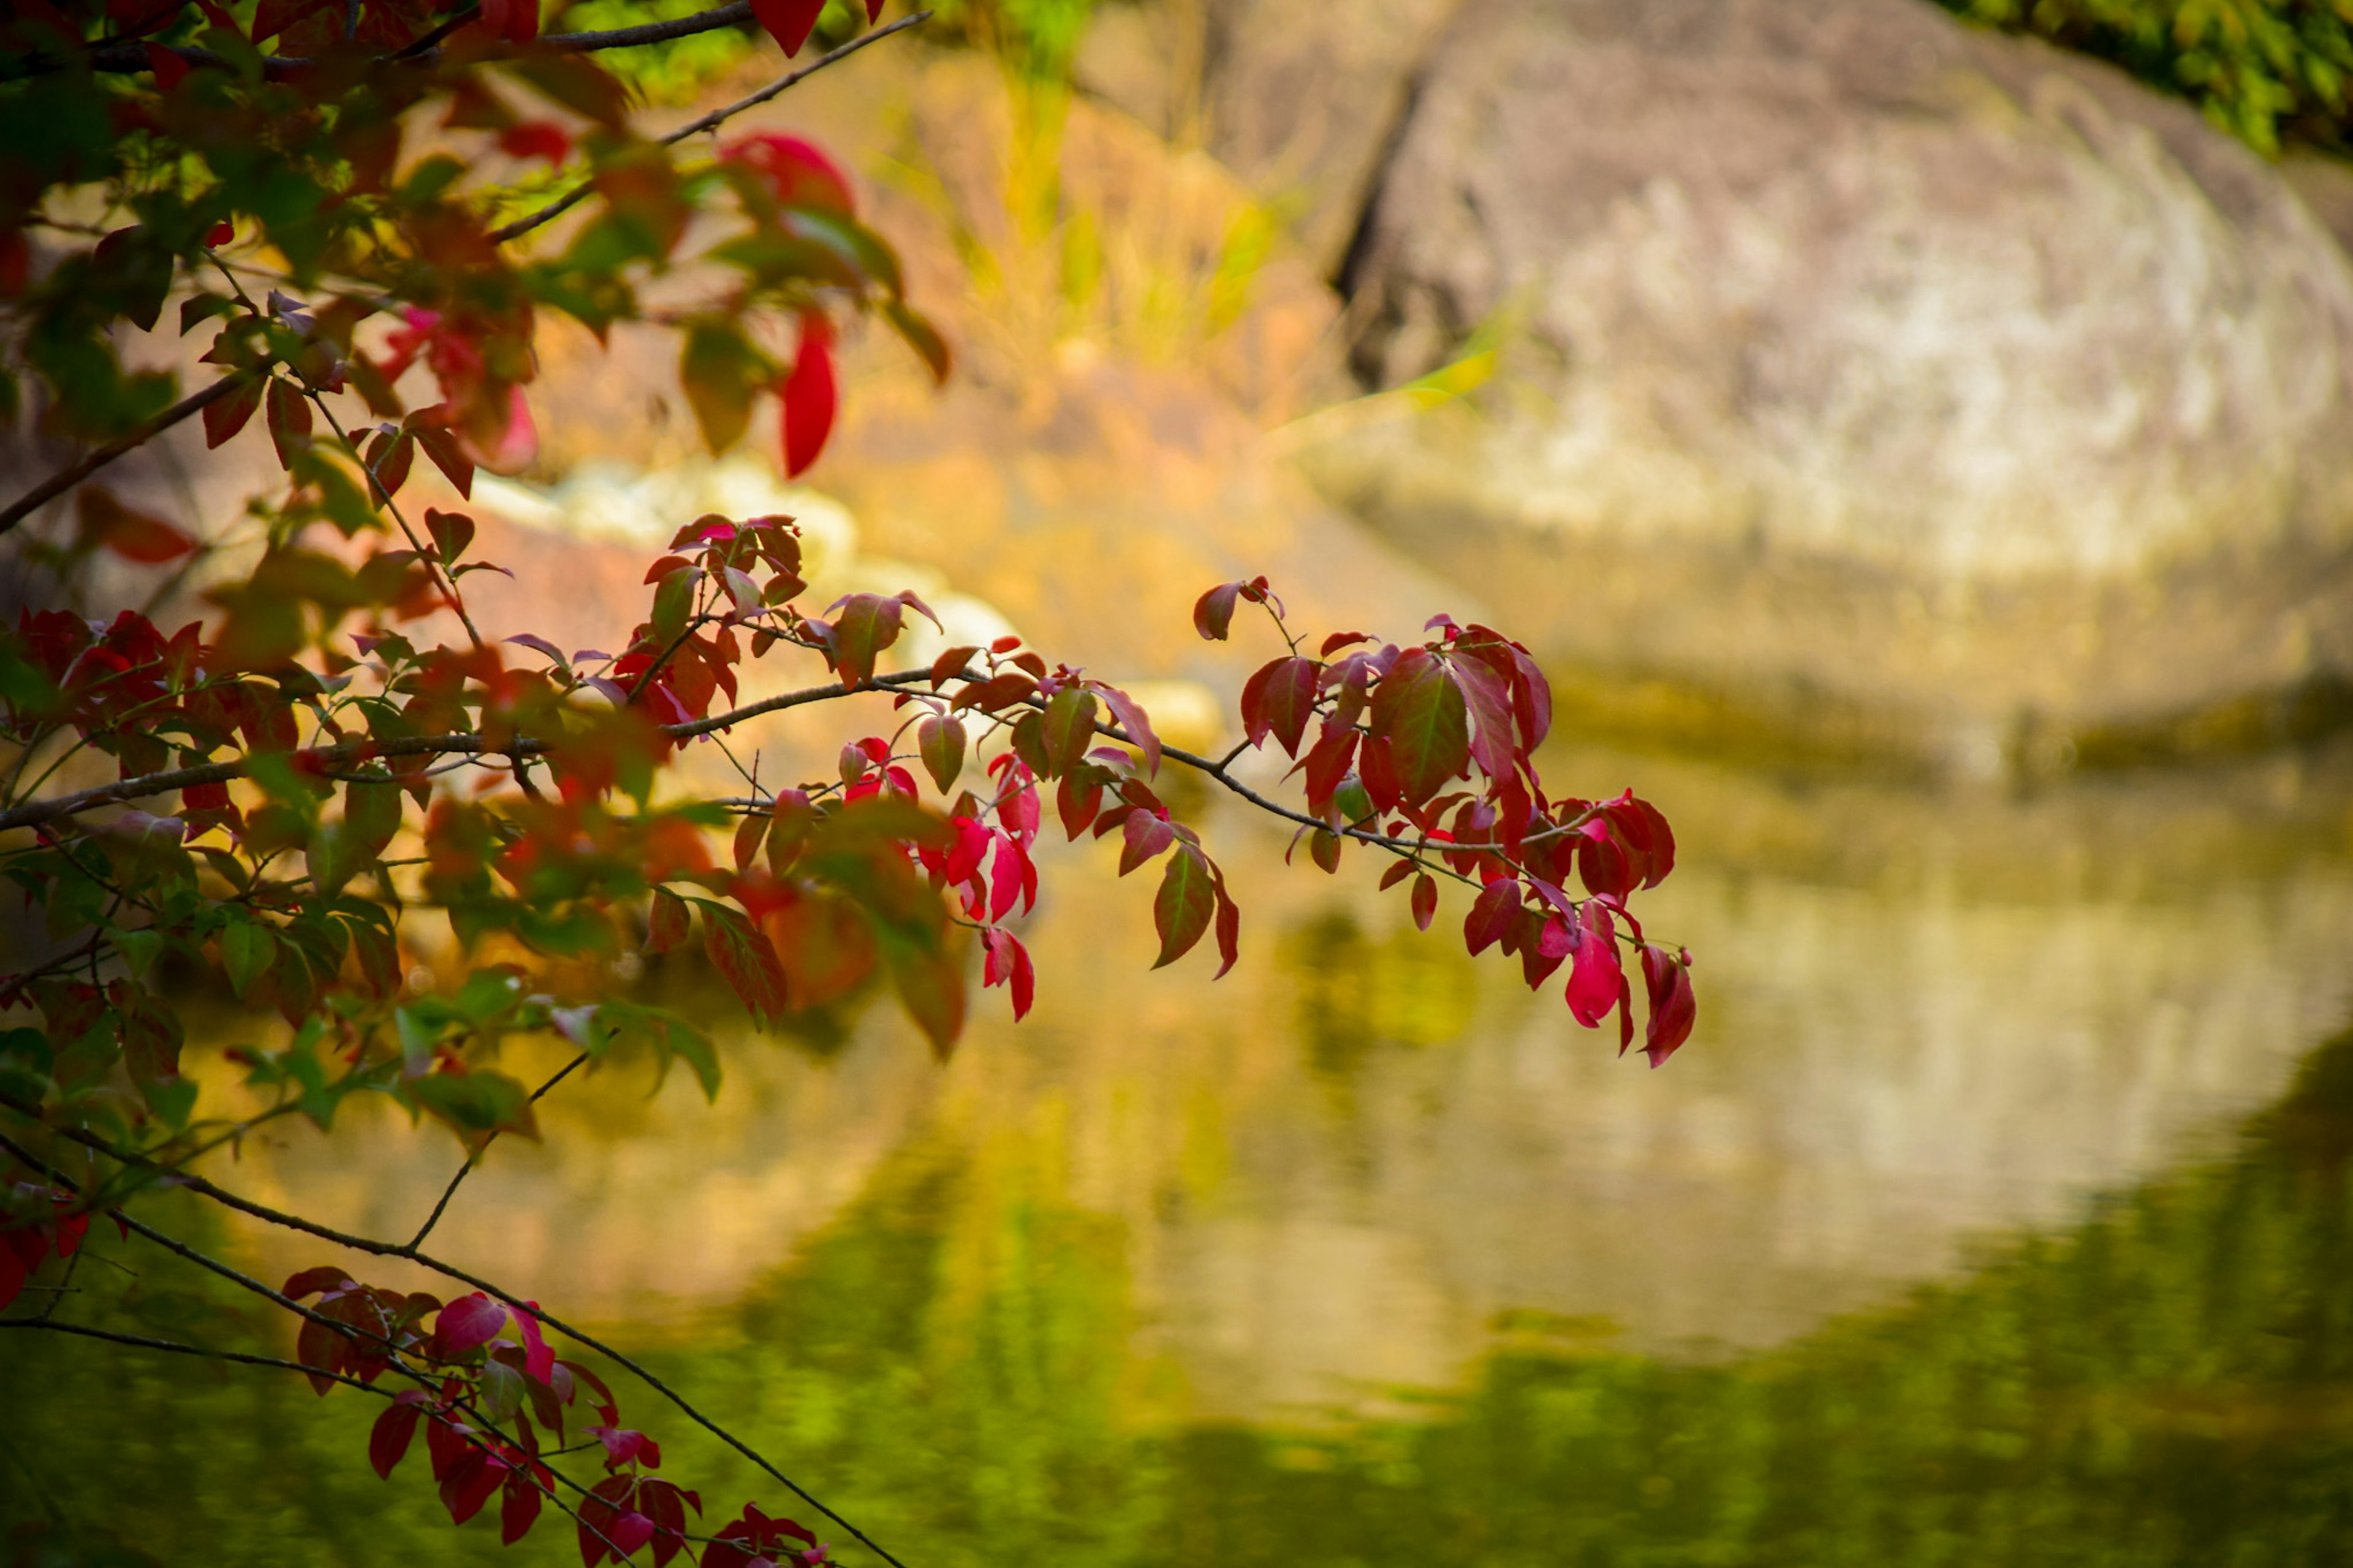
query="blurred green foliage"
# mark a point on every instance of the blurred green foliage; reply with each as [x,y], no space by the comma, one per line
[2169,1382]
[675,71]
[2272,72]
[1038,37]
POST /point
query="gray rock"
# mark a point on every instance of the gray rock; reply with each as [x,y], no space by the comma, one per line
[1848,359]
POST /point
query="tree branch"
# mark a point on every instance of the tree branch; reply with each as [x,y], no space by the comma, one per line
[131,59]
[134,59]
[144,1342]
[34,813]
[476,1157]
[200,1185]
[712,120]
[97,458]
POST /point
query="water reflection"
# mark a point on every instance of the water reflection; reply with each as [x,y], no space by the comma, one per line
[1362,1250]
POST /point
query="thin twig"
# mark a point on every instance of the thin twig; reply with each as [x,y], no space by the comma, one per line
[439,567]
[711,121]
[206,1188]
[476,1157]
[131,59]
[97,458]
[137,59]
[33,813]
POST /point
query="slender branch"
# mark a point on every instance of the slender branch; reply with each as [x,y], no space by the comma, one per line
[34,813]
[143,1342]
[712,120]
[97,458]
[131,59]
[206,1188]
[384,499]
[134,59]
[476,1157]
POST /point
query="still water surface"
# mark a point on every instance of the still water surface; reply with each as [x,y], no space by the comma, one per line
[1998,1213]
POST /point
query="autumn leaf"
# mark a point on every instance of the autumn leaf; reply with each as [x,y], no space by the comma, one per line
[128,533]
[1419,710]
[787,21]
[809,391]
[1181,910]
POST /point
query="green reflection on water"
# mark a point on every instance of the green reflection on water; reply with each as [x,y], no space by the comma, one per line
[952,1362]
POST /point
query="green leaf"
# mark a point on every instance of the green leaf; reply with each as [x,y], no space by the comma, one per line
[721,374]
[1420,711]
[1182,910]
[140,949]
[473,1104]
[418,1035]
[941,741]
[1069,728]
[674,604]
[868,623]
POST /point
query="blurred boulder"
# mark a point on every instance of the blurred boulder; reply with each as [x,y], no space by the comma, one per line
[1841,363]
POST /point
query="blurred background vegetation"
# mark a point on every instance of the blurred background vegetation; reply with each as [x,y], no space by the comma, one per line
[2272,72]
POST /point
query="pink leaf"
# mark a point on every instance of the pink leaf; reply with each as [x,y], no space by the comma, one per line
[469,1322]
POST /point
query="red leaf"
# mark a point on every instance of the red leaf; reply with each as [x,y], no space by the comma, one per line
[1425,900]
[389,1438]
[1004,959]
[13,1275]
[668,923]
[808,392]
[950,664]
[536,139]
[1147,836]
[1602,863]
[1493,914]
[132,534]
[787,21]
[1598,982]
[1133,719]
[1673,1009]
[1326,765]
[469,1485]
[468,1322]
[793,171]
[1213,612]
[1540,952]
[538,1360]
[748,960]
[1278,700]
[321,1348]
[169,67]
[1229,930]
[1078,799]
[289,418]
[312,1281]
[1490,704]
[220,233]
[227,414]
[516,21]
[520,1510]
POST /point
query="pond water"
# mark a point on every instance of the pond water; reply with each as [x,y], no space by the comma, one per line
[1996,1212]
